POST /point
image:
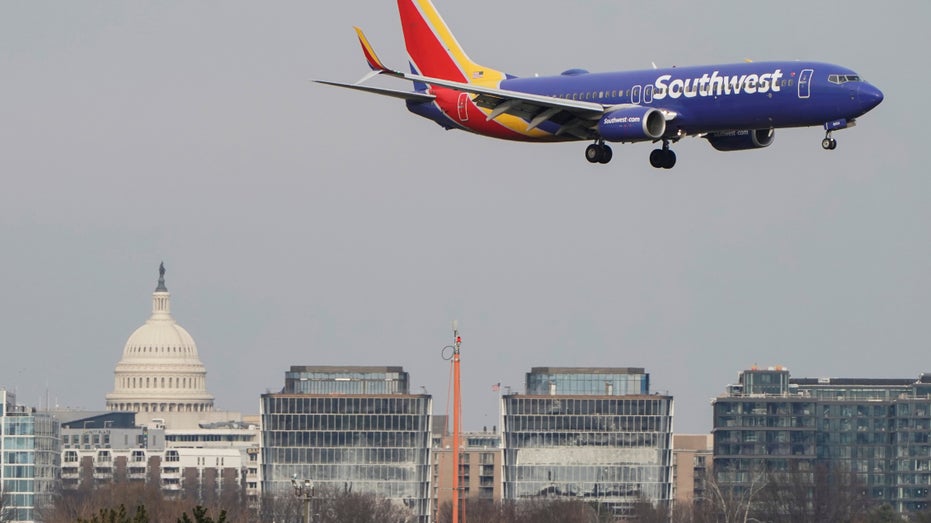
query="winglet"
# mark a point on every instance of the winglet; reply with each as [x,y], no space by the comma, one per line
[369,53]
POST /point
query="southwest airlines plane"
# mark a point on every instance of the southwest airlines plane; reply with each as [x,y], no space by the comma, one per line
[733,106]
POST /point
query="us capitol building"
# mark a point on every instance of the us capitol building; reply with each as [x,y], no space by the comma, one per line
[160,371]
[160,425]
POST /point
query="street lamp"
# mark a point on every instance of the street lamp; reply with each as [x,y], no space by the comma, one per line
[304,491]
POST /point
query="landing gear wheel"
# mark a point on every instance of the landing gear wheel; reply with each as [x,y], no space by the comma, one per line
[656,158]
[598,153]
[606,154]
[833,144]
[826,144]
[669,159]
[593,153]
[663,158]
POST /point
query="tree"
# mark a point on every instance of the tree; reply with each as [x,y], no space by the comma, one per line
[104,501]
[5,507]
[200,516]
[117,515]
[823,494]
[531,510]
[645,511]
[279,508]
[921,517]
[732,504]
[884,514]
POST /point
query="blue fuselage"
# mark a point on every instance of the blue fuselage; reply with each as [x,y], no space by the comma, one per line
[722,97]
[701,99]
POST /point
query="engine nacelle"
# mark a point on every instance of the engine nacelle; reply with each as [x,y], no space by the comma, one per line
[741,140]
[632,124]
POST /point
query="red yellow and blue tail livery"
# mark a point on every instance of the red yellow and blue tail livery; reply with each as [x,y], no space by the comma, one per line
[733,106]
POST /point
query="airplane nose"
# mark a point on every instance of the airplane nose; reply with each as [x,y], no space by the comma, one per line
[869,96]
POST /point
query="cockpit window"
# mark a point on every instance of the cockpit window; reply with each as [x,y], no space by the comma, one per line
[843,78]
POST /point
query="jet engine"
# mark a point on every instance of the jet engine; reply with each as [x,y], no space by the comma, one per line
[632,124]
[741,140]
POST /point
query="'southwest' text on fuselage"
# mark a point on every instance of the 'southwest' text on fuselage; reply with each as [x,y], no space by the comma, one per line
[715,85]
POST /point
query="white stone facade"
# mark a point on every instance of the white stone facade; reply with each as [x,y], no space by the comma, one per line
[160,370]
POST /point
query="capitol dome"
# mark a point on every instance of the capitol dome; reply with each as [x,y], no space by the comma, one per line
[160,370]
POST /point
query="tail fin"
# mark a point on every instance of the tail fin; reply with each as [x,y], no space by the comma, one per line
[434,50]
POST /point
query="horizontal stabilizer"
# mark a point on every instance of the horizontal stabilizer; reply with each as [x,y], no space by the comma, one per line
[404,95]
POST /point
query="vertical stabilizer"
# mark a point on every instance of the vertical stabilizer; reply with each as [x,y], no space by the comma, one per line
[433,49]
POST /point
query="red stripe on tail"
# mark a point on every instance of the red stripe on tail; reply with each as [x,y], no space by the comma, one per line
[426,51]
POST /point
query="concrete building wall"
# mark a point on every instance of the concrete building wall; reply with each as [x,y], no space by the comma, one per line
[691,463]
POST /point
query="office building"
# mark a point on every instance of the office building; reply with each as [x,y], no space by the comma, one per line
[351,427]
[107,447]
[29,460]
[876,429]
[591,434]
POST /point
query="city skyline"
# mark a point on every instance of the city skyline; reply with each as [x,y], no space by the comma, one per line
[305,226]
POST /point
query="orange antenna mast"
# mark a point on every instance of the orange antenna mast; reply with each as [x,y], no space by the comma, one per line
[457,422]
[451,352]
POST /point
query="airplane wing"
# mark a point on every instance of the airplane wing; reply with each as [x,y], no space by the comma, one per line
[405,95]
[574,117]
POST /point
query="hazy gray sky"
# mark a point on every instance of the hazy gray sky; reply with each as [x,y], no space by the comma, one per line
[303,224]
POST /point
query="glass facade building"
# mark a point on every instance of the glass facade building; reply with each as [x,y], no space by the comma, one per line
[604,381]
[594,434]
[877,429]
[30,447]
[339,437]
[346,380]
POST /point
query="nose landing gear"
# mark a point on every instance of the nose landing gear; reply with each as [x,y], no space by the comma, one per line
[598,152]
[829,143]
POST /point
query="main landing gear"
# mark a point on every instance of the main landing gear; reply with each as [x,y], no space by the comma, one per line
[598,152]
[663,158]
[828,144]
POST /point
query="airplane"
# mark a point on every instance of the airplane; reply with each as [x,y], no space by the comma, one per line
[734,106]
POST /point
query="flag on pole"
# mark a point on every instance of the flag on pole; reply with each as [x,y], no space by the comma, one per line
[496,387]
